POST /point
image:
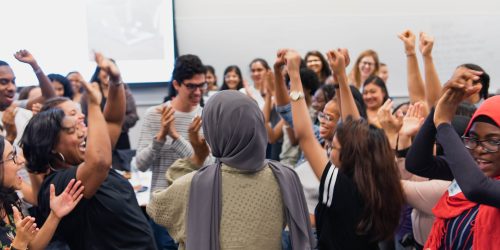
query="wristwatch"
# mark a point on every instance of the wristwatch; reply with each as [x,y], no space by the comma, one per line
[296,95]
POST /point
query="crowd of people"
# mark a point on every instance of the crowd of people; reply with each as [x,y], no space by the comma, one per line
[307,156]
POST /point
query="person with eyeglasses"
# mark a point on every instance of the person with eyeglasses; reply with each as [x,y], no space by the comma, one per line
[367,64]
[467,215]
[18,231]
[163,135]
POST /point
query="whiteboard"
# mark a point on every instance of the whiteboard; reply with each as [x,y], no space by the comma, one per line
[225,32]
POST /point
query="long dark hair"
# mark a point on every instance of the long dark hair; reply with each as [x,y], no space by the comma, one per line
[40,137]
[8,195]
[68,89]
[366,155]
[325,68]
[237,70]
[380,83]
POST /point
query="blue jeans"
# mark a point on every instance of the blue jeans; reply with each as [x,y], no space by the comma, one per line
[162,238]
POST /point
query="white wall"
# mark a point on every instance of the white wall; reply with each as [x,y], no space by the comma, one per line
[224,32]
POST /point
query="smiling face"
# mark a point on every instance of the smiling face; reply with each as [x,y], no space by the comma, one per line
[211,80]
[258,70]
[328,123]
[366,66]
[489,163]
[318,100]
[187,95]
[314,63]
[373,96]
[7,87]
[232,80]
[58,88]
[11,165]
[71,143]
[74,79]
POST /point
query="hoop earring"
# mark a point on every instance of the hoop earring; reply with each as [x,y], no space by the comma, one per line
[61,156]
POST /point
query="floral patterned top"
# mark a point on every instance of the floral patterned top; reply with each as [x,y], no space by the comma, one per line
[7,233]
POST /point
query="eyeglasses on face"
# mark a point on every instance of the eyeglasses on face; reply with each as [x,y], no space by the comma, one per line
[488,145]
[326,117]
[194,86]
[369,64]
[13,157]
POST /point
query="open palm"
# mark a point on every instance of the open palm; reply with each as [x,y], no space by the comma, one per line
[64,203]
[413,120]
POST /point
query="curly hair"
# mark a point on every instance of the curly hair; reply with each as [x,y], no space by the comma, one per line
[186,66]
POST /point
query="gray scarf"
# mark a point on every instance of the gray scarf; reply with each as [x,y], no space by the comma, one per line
[234,129]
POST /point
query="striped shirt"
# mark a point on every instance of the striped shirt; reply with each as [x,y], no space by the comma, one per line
[459,230]
[158,155]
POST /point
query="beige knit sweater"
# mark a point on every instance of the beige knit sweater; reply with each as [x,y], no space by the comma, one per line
[252,208]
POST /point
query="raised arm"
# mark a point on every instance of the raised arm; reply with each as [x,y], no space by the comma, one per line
[276,132]
[338,60]
[281,93]
[94,170]
[420,159]
[416,88]
[313,151]
[432,83]
[43,81]
[114,110]
[475,185]
[390,123]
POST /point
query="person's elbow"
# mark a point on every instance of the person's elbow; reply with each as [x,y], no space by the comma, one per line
[141,165]
[475,191]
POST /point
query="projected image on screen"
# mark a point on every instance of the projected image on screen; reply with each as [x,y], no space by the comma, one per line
[62,35]
[126,29]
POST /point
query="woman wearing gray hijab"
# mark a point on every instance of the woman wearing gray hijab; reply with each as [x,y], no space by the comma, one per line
[242,201]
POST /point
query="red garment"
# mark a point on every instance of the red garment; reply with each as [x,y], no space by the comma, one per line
[490,107]
[485,228]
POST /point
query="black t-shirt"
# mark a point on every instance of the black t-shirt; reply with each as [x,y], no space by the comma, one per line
[338,212]
[111,219]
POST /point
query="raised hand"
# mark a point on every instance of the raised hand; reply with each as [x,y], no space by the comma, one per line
[109,67]
[94,94]
[338,60]
[26,229]
[456,90]
[269,82]
[167,123]
[280,59]
[408,39]
[390,123]
[25,57]
[293,60]
[36,108]
[413,120]
[463,80]
[200,147]
[65,202]
[426,44]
